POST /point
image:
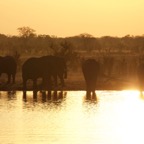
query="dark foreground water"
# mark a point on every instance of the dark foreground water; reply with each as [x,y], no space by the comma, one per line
[117,118]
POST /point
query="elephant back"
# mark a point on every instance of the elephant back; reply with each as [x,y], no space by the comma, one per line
[55,65]
[32,68]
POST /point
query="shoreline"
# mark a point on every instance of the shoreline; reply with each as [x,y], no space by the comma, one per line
[72,87]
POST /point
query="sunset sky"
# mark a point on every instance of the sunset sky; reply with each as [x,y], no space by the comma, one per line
[64,18]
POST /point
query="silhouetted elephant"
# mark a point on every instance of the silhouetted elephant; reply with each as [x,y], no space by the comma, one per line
[44,67]
[90,70]
[140,74]
[34,68]
[8,65]
[57,66]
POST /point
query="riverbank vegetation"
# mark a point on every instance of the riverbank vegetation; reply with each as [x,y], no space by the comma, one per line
[119,56]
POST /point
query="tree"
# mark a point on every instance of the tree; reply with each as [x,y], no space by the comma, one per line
[89,42]
[26,32]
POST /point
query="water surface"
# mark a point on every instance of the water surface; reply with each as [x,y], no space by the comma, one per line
[116,118]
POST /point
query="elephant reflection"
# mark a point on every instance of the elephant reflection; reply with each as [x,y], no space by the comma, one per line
[8,65]
[90,68]
[44,67]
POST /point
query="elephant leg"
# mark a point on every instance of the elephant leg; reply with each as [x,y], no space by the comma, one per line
[94,97]
[61,80]
[24,89]
[35,89]
[9,78]
[13,77]
[55,95]
[61,95]
[49,95]
[88,95]
[44,96]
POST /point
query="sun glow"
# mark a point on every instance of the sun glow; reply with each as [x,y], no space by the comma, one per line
[130,117]
[130,92]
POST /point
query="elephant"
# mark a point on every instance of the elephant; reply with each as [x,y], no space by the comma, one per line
[44,67]
[90,69]
[58,68]
[34,68]
[8,65]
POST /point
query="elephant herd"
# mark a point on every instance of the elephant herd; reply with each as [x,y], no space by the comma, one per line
[53,67]
[45,67]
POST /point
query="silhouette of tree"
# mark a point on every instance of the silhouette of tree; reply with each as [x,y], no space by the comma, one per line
[89,42]
[26,32]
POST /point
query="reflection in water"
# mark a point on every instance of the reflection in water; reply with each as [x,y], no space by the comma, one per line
[50,95]
[116,118]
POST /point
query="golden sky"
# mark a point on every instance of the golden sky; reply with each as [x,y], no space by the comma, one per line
[64,18]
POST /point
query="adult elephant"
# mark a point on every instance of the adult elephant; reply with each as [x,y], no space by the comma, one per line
[8,65]
[34,68]
[44,67]
[90,68]
[58,68]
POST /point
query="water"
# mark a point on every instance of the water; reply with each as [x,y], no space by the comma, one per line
[116,118]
